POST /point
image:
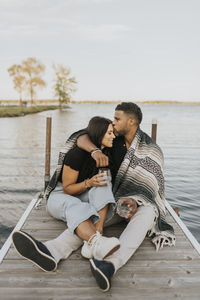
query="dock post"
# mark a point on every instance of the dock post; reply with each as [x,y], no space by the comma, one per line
[154,130]
[153,136]
[47,152]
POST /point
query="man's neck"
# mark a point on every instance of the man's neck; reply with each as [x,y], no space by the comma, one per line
[130,136]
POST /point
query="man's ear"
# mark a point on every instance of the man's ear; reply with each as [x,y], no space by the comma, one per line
[132,122]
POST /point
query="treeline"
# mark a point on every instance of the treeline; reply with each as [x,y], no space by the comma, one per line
[27,79]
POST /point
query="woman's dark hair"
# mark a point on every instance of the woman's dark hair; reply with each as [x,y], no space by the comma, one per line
[97,128]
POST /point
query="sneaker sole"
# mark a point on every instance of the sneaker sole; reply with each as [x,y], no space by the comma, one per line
[28,249]
[101,279]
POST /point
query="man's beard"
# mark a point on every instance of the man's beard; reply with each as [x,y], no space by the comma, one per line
[115,132]
[119,133]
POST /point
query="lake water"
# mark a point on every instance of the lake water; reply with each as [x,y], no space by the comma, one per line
[22,153]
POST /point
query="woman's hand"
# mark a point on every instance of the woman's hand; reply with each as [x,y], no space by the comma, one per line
[97,180]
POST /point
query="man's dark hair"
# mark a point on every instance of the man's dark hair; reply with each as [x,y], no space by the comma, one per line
[97,128]
[132,109]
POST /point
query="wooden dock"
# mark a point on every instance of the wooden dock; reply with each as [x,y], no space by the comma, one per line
[171,273]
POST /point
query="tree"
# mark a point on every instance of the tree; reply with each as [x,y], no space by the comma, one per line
[18,79]
[65,85]
[32,69]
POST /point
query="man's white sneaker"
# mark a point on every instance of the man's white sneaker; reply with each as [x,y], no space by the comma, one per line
[99,246]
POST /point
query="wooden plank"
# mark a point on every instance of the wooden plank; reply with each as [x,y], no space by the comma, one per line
[181,245]
[186,231]
[23,267]
[143,263]
[167,274]
[48,235]
[41,215]
[19,225]
[92,293]
[84,278]
[142,253]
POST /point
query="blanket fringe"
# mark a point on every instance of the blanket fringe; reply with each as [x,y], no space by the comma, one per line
[161,240]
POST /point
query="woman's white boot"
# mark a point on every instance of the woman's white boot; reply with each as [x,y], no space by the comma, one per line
[99,246]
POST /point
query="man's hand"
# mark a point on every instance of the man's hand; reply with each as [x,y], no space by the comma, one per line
[85,143]
[132,205]
[101,159]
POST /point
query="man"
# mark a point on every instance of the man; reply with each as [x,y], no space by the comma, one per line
[138,181]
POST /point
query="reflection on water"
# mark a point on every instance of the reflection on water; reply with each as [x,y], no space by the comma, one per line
[22,143]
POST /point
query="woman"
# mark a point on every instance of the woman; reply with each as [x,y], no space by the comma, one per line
[83,198]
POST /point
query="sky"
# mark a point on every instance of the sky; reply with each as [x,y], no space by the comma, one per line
[116,49]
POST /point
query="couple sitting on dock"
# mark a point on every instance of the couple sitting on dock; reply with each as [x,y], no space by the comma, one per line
[86,198]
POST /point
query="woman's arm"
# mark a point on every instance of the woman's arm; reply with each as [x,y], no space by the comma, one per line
[69,179]
[85,143]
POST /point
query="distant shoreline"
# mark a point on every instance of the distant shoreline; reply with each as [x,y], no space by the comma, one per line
[137,102]
[55,102]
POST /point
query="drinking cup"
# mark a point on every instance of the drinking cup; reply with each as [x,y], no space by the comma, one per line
[122,208]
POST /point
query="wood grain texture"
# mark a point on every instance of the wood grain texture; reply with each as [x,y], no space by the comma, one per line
[171,273]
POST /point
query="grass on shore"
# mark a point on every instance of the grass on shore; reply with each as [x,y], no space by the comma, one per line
[135,101]
[16,111]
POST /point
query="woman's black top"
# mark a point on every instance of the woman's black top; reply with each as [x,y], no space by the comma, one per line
[81,160]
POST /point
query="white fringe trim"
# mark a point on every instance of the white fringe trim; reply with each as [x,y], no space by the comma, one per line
[161,239]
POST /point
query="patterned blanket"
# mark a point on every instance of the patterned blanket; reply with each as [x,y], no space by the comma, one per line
[140,177]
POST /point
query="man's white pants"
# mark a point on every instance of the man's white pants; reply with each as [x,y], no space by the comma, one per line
[130,239]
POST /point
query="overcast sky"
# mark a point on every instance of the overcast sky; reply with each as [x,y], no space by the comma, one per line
[116,49]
